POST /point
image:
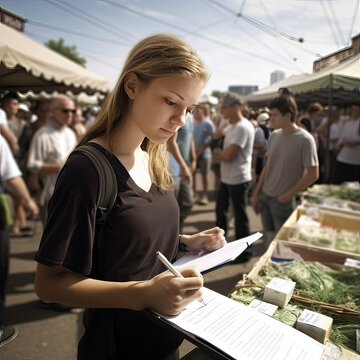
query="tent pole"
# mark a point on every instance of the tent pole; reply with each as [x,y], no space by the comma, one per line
[327,164]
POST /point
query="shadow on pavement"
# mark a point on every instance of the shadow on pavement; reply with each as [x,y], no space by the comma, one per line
[28,312]
[20,283]
[24,256]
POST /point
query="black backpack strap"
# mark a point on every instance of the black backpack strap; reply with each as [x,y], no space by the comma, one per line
[108,188]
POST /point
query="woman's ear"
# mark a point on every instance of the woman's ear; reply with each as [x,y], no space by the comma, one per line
[131,85]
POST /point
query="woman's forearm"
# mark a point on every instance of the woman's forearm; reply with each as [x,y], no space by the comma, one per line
[67,287]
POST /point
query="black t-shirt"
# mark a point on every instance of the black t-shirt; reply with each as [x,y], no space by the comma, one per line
[140,224]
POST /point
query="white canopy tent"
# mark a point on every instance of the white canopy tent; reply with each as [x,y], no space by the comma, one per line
[270,91]
[206,98]
[28,65]
[337,85]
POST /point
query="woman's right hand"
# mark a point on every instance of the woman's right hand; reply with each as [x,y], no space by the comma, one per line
[168,294]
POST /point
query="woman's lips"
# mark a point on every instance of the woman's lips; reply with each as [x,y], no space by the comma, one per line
[169,132]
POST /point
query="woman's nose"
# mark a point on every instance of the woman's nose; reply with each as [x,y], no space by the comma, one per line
[179,119]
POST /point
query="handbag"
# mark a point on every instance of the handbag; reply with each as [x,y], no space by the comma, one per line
[6,218]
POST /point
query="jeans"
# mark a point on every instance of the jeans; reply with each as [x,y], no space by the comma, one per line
[184,196]
[238,194]
[274,213]
[4,262]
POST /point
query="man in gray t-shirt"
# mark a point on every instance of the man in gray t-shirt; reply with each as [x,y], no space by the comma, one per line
[291,166]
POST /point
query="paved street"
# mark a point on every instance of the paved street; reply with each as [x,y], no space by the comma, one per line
[46,334]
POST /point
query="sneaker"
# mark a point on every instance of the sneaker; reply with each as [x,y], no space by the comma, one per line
[204,200]
[8,334]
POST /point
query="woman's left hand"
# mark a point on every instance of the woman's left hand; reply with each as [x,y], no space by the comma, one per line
[208,240]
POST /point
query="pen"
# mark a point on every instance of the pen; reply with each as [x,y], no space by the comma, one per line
[176,272]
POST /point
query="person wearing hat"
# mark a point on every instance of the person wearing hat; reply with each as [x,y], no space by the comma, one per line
[235,166]
[260,142]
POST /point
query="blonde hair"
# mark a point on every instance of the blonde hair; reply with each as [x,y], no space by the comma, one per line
[153,57]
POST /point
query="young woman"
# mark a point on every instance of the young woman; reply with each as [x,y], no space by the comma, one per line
[161,82]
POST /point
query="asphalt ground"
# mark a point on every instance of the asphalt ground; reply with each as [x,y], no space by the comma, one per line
[47,334]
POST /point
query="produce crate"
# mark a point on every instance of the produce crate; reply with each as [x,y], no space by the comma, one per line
[331,204]
[342,192]
[333,198]
[326,218]
[285,251]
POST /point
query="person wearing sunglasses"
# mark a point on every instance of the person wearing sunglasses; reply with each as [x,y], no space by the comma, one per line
[50,147]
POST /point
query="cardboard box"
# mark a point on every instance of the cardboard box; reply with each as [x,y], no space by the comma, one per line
[279,291]
[334,220]
[314,324]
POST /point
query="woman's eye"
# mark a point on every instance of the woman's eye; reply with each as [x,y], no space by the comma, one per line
[169,102]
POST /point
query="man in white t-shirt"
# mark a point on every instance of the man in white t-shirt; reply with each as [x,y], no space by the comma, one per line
[235,166]
[347,167]
[7,133]
[10,176]
[50,147]
[291,166]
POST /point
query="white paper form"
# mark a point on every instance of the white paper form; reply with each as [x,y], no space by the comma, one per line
[244,333]
[204,261]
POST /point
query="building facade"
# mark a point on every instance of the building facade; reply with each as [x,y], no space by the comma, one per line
[276,76]
[338,56]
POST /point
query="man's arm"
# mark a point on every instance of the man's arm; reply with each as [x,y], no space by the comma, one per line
[192,154]
[36,163]
[50,168]
[19,190]
[174,149]
[255,199]
[259,145]
[229,153]
[219,131]
[311,175]
[10,138]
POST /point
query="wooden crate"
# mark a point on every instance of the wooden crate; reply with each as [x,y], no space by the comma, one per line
[335,205]
[320,190]
[330,203]
[288,251]
[326,218]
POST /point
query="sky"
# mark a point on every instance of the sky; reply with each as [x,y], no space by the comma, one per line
[241,41]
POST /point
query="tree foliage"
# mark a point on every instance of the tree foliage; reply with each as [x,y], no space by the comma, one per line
[218,94]
[68,51]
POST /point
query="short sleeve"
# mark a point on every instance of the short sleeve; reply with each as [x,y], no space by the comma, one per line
[8,166]
[309,153]
[239,136]
[3,119]
[259,136]
[69,232]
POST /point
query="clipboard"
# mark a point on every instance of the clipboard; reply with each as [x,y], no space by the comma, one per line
[209,261]
[229,330]
[202,344]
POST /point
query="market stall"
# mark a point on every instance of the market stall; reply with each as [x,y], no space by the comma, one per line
[328,217]
[337,85]
[28,65]
[322,287]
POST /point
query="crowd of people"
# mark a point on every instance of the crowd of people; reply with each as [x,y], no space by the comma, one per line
[252,158]
[157,137]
